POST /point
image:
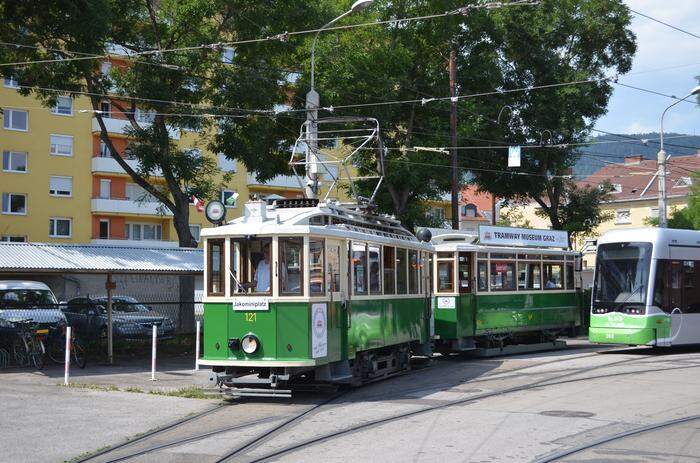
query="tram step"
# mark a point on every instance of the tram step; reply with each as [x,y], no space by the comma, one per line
[255,392]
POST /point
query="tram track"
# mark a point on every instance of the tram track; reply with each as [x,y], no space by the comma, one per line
[374,423]
[262,438]
[556,456]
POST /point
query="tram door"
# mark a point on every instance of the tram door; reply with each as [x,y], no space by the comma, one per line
[338,290]
[683,301]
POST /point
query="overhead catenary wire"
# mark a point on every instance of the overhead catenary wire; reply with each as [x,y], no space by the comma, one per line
[665,24]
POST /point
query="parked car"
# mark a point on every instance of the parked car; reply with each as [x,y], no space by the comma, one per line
[131,320]
[29,300]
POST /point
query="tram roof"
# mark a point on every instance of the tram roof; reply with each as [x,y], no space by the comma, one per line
[351,222]
[652,235]
[460,241]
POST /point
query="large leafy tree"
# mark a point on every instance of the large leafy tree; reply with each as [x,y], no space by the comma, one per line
[195,91]
[559,41]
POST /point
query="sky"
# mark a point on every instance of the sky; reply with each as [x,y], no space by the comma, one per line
[659,47]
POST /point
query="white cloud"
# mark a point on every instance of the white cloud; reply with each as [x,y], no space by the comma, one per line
[638,127]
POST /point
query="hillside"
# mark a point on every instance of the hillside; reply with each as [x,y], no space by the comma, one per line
[614,148]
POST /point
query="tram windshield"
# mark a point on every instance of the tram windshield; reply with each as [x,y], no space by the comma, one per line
[622,273]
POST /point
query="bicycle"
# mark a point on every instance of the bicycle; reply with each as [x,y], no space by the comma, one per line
[28,347]
[56,349]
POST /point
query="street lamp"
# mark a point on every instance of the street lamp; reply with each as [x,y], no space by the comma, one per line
[312,104]
[661,162]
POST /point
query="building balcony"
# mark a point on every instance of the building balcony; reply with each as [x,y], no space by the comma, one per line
[134,243]
[128,206]
[111,166]
[122,126]
[281,181]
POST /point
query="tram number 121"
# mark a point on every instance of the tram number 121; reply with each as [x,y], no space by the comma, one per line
[251,317]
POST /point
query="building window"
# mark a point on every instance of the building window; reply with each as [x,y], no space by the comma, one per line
[654,212]
[437,214]
[61,186]
[616,188]
[104,150]
[469,210]
[135,192]
[227,55]
[229,198]
[14,119]
[622,216]
[63,106]
[226,164]
[13,239]
[104,229]
[14,203]
[143,231]
[11,82]
[106,109]
[14,161]
[61,145]
[683,182]
[195,230]
[105,188]
[60,227]
[105,68]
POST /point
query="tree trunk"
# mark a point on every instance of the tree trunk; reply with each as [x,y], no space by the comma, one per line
[181,223]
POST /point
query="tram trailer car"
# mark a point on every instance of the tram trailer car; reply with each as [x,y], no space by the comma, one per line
[646,288]
[490,297]
[302,292]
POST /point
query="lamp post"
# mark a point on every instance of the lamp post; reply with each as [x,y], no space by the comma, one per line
[661,162]
[312,104]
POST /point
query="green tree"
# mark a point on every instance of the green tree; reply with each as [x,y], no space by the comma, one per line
[556,42]
[179,90]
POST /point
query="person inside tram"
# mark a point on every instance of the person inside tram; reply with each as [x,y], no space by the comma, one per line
[262,272]
[550,283]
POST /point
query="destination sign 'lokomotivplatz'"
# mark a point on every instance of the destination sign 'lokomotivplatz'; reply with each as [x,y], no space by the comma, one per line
[508,236]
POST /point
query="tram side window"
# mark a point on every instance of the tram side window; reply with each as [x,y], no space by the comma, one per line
[413,270]
[529,275]
[401,276]
[691,286]
[375,275]
[445,269]
[359,267]
[216,267]
[291,267]
[553,276]
[482,274]
[316,274]
[502,276]
[389,270]
[334,266]
[570,276]
[464,272]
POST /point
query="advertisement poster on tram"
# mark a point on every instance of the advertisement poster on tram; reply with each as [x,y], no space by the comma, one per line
[511,236]
[319,330]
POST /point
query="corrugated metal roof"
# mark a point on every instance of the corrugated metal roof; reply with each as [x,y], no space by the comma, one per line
[41,257]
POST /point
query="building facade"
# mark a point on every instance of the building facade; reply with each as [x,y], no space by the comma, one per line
[59,184]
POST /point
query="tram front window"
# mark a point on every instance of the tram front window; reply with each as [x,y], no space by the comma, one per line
[251,268]
[622,274]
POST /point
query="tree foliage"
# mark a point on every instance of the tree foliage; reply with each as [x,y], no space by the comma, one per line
[181,89]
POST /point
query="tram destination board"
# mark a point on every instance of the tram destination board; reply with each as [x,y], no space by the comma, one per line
[511,236]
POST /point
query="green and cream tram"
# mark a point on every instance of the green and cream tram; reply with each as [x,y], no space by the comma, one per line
[308,292]
[509,295]
[646,288]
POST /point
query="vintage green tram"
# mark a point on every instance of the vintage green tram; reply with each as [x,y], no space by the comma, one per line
[302,292]
[501,298]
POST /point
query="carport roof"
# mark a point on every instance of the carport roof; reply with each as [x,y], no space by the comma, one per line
[69,258]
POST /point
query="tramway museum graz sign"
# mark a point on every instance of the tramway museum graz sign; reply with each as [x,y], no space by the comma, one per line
[509,236]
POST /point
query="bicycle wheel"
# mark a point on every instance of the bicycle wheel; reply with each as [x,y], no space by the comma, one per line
[36,353]
[55,349]
[18,353]
[79,353]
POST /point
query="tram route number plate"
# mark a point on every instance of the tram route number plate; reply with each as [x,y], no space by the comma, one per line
[250,304]
[446,303]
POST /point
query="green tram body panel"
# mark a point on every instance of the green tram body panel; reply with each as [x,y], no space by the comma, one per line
[483,314]
[284,330]
[619,328]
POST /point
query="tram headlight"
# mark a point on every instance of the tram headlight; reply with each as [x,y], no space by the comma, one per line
[250,343]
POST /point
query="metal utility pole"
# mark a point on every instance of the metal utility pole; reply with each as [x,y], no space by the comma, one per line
[661,162]
[312,104]
[453,138]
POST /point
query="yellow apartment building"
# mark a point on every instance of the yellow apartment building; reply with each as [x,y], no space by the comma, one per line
[634,199]
[58,183]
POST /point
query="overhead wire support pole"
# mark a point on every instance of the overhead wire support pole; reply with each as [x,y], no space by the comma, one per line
[453,138]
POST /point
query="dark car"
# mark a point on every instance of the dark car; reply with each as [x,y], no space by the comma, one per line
[130,319]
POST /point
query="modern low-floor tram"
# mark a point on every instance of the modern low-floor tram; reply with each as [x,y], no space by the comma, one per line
[497,296]
[646,288]
[302,292]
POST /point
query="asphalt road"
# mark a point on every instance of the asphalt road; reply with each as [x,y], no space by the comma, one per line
[523,408]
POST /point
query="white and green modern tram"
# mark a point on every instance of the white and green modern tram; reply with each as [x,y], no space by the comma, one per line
[646,288]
